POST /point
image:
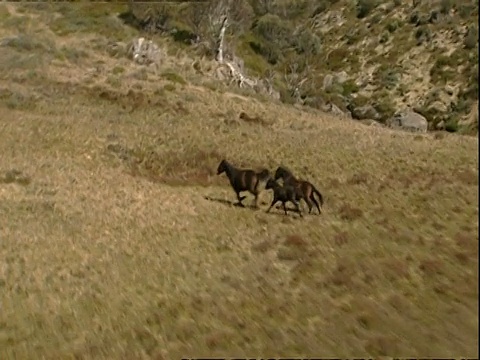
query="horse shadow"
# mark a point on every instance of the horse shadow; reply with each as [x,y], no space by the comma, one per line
[230,203]
[251,206]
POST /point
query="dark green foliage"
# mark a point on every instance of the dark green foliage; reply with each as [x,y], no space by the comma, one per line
[322,6]
[306,42]
[471,38]
[364,7]
[271,28]
[451,126]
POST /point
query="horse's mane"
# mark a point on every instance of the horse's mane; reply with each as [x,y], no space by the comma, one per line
[286,169]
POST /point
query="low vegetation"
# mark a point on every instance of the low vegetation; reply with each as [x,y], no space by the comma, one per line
[118,239]
[357,39]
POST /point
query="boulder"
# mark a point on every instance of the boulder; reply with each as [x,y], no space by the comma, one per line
[335,110]
[410,121]
[330,80]
[144,51]
[327,81]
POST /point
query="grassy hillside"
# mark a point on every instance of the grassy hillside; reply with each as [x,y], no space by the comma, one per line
[370,58]
[118,240]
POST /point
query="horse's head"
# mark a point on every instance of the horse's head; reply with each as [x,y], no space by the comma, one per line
[271,183]
[281,173]
[222,167]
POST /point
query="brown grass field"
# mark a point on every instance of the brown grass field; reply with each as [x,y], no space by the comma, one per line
[119,241]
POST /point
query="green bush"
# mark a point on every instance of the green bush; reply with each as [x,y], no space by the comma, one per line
[269,50]
[272,35]
[442,70]
[471,38]
[322,6]
[423,34]
[306,42]
[446,6]
[386,76]
[365,7]
[392,26]
[451,125]
[273,29]
[349,87]
[173,77]
[385,107]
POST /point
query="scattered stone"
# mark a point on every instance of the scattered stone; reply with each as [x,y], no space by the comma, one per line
[334,109]
[341,77]
[144,52]
[330,80]
[327,81]
[410,121]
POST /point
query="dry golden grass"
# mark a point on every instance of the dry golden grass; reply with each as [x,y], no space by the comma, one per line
[119,241]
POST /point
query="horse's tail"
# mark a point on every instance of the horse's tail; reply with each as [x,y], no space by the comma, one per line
[319,195]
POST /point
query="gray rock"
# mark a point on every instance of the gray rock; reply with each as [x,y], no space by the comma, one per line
[327,81]
[330,80]
[341,77]
[410,121]
[335,110]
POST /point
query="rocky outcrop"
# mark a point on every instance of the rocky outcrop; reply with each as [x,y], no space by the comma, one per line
[409,121]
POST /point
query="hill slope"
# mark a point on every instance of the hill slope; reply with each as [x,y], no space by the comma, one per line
[370,58]
[119,241]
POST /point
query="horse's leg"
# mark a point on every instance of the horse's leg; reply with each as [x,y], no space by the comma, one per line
[310,205]
[240,199]
[284,208]
[316,203]
[271,205]
[298,208]
[256,200]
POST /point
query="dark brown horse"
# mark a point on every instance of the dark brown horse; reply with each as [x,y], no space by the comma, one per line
[243,179]
[284,194]
[304,189]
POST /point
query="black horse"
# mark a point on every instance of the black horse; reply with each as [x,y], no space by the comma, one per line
[304,189]
[284,194]
[243,179]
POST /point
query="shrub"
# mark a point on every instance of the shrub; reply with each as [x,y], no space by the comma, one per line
[442,71]
[272,36]
[272,28]
[384,37]
[364,7]
[323,5]
[451,125]
[422,34]
[269,50]
[446,6]
[118,70]
[336,58]
[392,26]
[467,10]
[349,87]
[471,38]
[306,42]
[173,77]
[386,76]
[385,107]
[4,13]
